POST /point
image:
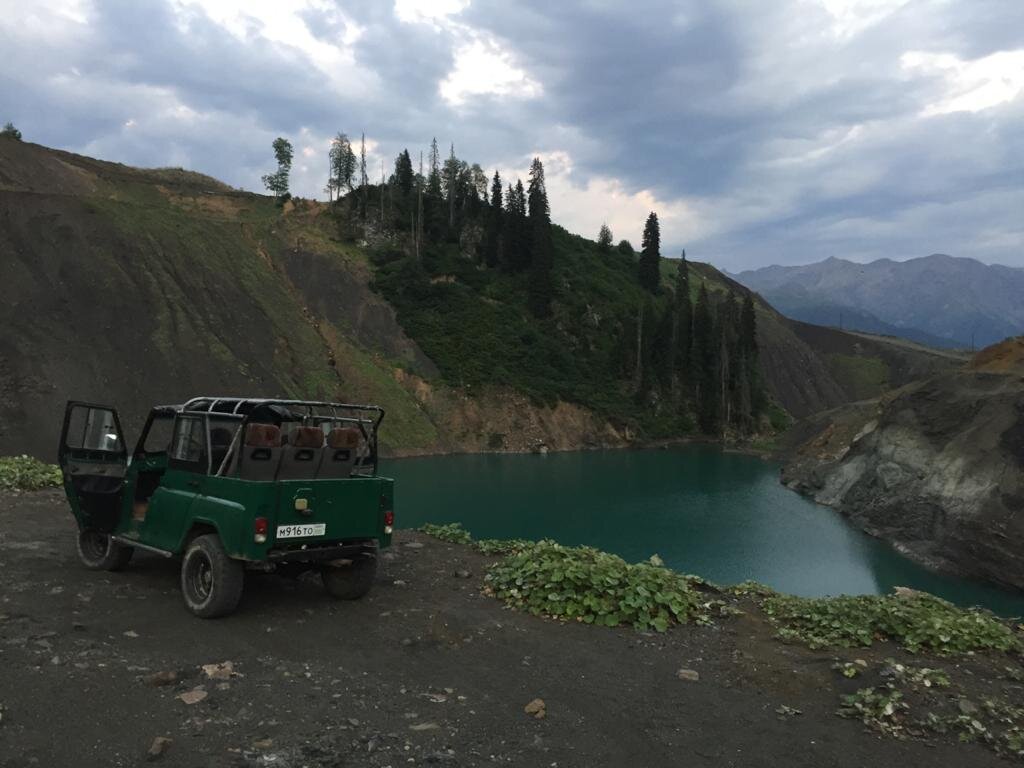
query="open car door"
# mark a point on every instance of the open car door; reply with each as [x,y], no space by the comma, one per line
[93,459]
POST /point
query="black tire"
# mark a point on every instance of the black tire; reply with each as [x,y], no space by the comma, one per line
[211,582]
[99,552]
[350,582]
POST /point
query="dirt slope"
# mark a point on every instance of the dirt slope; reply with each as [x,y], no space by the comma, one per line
[424,671]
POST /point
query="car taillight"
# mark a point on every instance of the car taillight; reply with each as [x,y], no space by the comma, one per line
[260,530]
[389,520]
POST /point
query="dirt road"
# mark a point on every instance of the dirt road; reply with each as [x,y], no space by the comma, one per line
[425,670]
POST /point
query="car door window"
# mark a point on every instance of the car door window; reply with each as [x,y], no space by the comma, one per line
[188,444]
[93,429]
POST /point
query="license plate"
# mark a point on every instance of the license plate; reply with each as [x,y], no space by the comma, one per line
[301,531]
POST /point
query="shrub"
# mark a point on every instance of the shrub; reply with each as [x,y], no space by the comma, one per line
[456,534]
[595,587]
[916,621]
[24,473]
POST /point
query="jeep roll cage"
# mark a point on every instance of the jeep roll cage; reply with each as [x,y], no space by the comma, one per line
[252,410]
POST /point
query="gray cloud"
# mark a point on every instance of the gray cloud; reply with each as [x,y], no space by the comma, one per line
[770,132]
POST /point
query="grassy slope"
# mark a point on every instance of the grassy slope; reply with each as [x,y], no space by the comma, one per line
[136,286]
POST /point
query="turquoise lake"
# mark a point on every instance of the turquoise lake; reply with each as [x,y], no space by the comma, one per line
[722,516]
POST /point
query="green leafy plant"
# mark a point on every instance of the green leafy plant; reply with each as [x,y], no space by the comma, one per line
[594,587]
[880,708]
[24,473]
[451,532]
[917,622]
[850,669]
[456,534]
[919,676]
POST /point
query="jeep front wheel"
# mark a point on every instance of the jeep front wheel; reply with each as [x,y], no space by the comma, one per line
[350,582]
[99,552]
[211,582]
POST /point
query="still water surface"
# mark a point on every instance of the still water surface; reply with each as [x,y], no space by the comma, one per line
[720,515]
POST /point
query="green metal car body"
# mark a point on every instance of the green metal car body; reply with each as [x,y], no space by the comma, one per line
[268,484]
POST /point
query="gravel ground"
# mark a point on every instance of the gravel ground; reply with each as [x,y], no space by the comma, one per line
[100,668]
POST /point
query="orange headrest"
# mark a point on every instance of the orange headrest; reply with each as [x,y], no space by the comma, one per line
[343,437]
[262,436]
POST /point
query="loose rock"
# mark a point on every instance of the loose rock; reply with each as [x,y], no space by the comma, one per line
[158,748]
[162,678]
[537,708]
[424,727]
[690,675]
[194,696]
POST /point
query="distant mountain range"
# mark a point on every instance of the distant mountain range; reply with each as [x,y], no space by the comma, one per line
[937,300]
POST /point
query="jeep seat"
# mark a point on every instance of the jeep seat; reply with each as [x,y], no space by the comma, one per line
[340,456]
[261,453]
[300,456]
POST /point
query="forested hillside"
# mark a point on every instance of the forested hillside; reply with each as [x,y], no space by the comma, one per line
[478,326]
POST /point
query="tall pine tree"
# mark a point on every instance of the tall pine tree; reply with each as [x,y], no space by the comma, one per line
[541,284]
[705,364]
[495,223]
[684,323]
[649,268]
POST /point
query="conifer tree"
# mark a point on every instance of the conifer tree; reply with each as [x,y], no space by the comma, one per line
[626,248]
[404,173]
[541,249]
[495,222]
[434,174]
[10,132]
[515,245]
[604,239]
[649,268]
[704,364]
[749,356]
[684,322]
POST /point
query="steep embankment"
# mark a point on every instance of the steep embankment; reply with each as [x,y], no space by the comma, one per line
[936,467]
[143,286]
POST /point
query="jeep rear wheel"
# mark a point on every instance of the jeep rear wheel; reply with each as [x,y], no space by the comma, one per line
[211,582]
[350,582]
[99,552]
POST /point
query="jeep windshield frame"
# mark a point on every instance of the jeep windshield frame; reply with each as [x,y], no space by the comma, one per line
[367,418]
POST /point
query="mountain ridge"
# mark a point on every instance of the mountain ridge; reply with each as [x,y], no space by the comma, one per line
[937,299]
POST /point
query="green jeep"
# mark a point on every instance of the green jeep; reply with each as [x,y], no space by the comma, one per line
[232,483]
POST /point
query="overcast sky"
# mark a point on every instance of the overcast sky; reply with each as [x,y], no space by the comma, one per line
[781,131]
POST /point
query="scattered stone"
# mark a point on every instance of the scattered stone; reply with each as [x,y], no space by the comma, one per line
[462,573]
[424,727]
[194,696]
[223,671]
[690,675]
[353,722]
[783,711]
[131,633]
[537,708]
[413,545]
[158,748]
[263,744]
[398,583]
[437,698]
[158,679]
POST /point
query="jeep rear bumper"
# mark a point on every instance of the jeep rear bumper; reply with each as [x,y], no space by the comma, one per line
[311,554]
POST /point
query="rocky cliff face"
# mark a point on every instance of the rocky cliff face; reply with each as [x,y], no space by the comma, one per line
[937,467]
